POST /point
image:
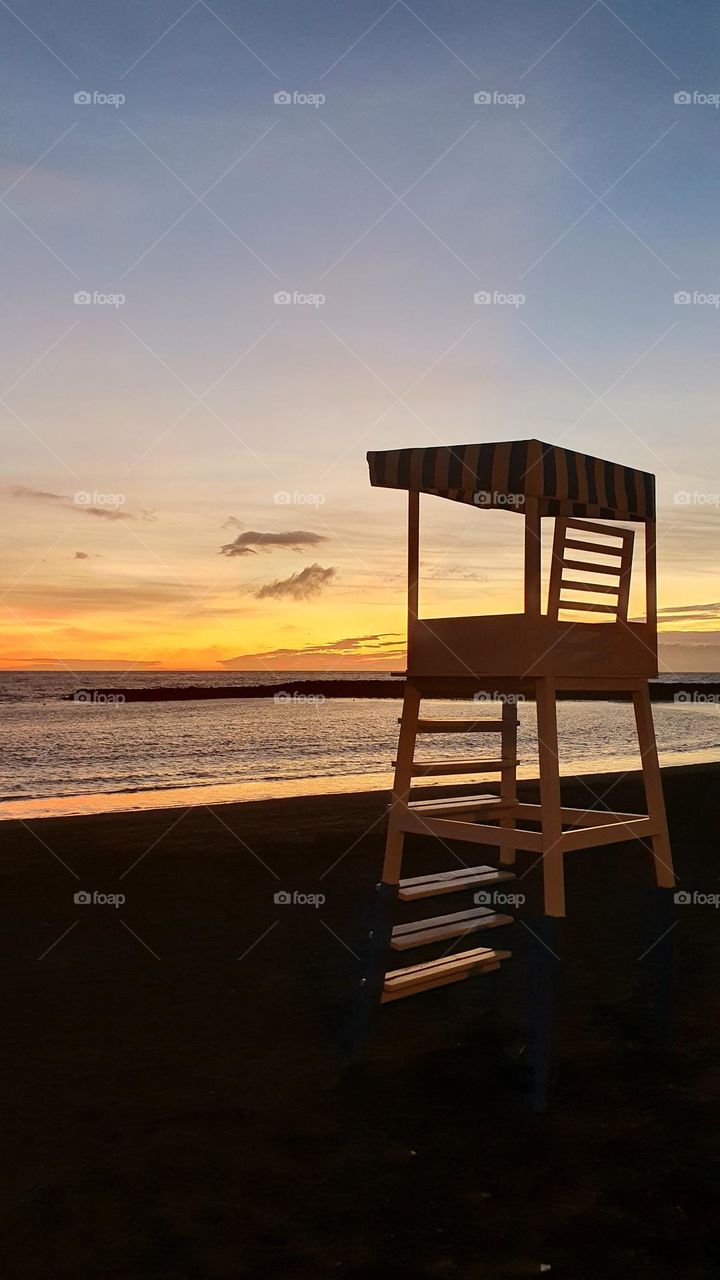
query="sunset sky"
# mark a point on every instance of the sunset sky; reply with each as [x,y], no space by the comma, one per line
[184,480]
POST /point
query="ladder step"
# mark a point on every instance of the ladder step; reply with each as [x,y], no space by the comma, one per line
[459,804]
[584,604]
[421,933]
[436,973]
[595,547]
[459,726]
[450,882]
[427,768]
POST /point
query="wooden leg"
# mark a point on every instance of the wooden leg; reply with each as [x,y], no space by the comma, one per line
[508,781]
[662,854]
[551,818]
[401,786]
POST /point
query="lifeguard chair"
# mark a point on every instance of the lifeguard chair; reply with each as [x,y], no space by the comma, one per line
[535,654]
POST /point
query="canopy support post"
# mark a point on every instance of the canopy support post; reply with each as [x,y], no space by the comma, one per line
[533,562]
[650,575]
[413,567]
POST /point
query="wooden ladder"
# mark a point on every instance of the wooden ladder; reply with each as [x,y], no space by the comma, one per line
[439,818]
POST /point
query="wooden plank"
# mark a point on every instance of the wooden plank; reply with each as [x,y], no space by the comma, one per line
[387,997]
[432,888]
[508,777]
[459,726]
[591,526]
[447,875]
[433,922]
[625,572]
[446,964]
[397,991]
[436,768]
[593,547]
[608,833]
[456,928]
[662,853]
[551,820]
[588,605]
[599,588]
[401,784]
[469,832]
[589,567]
[458,804]
[578,817]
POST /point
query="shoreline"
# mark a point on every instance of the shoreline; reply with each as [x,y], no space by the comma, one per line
[293,791]
[393,687]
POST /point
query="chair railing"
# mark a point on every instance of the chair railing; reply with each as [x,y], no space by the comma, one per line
[615,570]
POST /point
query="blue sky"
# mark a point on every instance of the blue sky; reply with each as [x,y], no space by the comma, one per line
[503,199]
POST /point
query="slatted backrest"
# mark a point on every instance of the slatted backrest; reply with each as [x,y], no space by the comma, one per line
[610,566]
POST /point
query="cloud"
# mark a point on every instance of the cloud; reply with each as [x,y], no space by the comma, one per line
[81,555]
[246,544]
[40,495]
[386,644]
[690,613]
[232,522]
[305,585]
[81,504]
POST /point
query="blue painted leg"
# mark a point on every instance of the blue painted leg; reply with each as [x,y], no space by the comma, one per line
[660,961]
[545,963]
[375,957]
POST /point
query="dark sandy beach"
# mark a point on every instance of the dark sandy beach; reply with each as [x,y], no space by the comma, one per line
[173,1073]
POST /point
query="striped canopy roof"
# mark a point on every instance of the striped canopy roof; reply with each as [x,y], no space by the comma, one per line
[505,474]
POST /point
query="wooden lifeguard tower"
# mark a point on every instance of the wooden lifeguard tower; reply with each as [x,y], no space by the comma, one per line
[534,654]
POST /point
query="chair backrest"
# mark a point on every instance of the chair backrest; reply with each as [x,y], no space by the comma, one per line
[580,537]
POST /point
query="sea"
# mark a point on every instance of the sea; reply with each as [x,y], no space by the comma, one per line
[68,757]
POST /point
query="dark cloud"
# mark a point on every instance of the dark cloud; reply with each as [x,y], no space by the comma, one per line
[691,613]
[40,495]
[305,585]
[387,644]
[247,544]
[80,502]
[107,513]
[81,555]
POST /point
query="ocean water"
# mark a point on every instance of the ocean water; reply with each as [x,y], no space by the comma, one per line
[73,757]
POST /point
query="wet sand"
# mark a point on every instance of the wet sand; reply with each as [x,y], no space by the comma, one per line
[173,1069]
